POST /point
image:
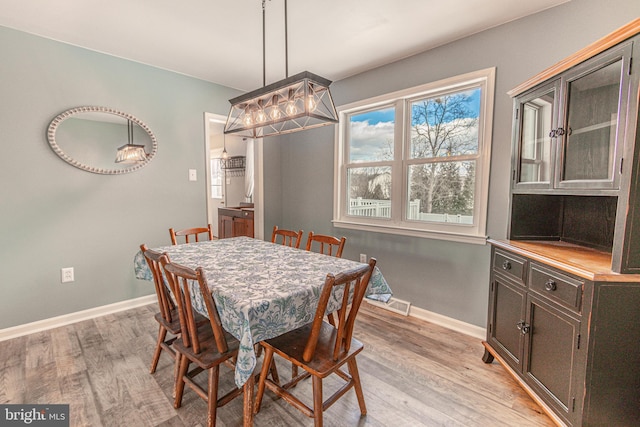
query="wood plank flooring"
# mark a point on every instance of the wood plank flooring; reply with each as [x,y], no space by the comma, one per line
[414,374]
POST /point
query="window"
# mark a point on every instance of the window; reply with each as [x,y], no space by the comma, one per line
[416,162]
[217,176]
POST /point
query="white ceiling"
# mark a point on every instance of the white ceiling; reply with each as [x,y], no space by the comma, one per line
[221,40]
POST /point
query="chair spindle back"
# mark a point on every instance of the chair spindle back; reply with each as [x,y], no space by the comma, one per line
[329,245]
[163,289]
[356,279]
[180,277]
[289,237]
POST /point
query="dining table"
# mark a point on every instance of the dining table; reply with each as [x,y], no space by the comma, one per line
[261,289]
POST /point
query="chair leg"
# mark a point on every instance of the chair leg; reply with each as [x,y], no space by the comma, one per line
[317,401]
[212,395]
[266,367]
[294,370]
[184,365]
[248,402]
[353,371]
[162,334]
[176,373]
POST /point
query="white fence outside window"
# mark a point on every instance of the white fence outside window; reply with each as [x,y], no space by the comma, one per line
[382,209]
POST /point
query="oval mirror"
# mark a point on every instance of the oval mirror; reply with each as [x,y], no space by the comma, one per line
[91,139]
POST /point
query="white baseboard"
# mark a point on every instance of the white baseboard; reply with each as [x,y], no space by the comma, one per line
[448,322]
[66,319]
[54,322]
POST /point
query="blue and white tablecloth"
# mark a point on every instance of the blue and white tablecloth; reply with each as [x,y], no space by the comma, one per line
[261,289]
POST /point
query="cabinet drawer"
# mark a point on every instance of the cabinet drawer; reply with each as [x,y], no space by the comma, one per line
[556,286]
[510,265]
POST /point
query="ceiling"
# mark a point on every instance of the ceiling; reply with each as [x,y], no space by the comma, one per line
[221,40]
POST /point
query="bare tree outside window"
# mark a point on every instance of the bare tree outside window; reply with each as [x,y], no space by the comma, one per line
[444,142]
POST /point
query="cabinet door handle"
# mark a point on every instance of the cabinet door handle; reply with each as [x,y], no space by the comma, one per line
[550,285]
[560,132]
[506,265]
[523,327]
[553,133]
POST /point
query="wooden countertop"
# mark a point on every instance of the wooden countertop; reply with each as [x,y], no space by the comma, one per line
[590,264]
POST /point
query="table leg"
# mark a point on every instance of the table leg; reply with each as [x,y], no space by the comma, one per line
[248,401]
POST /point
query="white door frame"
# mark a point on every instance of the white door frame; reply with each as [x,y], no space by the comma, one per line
[258,200]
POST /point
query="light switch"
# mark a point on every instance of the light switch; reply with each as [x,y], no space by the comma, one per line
[193,176]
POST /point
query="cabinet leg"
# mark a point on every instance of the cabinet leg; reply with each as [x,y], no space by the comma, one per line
[487,357]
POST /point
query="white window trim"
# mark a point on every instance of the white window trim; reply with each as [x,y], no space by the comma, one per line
[475,233]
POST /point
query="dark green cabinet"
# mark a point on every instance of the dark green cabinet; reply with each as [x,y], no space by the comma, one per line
[569,132]
[575,158]
[572,341]
[564,299]
[534,326]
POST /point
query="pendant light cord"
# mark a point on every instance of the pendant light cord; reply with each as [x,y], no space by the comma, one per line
[130,131]
[286,42]
[264,60]
[264,49]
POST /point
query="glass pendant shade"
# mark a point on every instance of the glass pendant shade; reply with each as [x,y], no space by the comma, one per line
[298,102]
[130,153]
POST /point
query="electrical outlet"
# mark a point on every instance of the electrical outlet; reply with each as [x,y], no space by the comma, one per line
[66,275]
[193,175]
[363,257]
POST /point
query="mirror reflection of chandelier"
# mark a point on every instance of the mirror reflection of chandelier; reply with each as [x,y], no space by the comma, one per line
[130,153]
[302,101]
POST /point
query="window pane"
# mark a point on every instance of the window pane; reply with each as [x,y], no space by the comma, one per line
[442,192]
[216,179]
[371,136]
[445,125]
[369,192]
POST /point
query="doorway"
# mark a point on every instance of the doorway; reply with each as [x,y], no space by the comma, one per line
[226,187]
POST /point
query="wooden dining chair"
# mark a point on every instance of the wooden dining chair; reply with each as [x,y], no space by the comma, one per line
[286,237]
[327,245]
[321,349]
[167,317]
[188,233]
[205,346]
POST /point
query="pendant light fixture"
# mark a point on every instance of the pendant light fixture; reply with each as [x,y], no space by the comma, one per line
[130,153]
[299,102]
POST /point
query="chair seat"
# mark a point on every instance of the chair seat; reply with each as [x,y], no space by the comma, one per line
[291,346]
[173,327]
[209,355]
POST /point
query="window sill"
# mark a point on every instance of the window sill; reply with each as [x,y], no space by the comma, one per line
[412,232]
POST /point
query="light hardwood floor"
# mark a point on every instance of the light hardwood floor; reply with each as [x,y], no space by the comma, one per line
[414,374]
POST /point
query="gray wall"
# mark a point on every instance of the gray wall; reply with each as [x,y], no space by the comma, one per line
[444,277]
[53,215]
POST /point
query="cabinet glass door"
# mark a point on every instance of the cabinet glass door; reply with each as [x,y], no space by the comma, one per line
[592,125]
[538,111]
